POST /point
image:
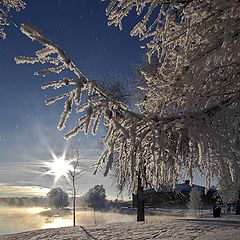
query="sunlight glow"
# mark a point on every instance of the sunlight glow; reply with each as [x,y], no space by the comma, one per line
[58,168]
[58,222]
[18,191]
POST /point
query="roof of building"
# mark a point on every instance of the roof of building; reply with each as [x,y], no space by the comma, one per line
[183,187]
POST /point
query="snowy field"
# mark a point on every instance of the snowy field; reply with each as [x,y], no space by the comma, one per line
[182,228]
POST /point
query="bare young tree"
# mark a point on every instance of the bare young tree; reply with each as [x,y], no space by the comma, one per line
[73,175]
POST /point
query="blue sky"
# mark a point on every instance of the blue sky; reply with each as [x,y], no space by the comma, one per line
[30,128]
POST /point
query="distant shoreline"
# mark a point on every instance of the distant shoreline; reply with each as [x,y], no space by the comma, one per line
[56,212]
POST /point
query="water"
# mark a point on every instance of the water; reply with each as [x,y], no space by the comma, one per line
[14,220]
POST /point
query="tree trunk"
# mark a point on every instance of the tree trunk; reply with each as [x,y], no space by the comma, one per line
[140,201]
[74,204]
[74,211]
[94,216]
[238,207]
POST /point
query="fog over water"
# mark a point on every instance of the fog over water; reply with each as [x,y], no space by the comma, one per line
[14,220]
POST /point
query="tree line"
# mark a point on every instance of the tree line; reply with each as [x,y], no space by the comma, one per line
[57,198]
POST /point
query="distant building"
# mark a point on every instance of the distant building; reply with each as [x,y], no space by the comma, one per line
[168,197]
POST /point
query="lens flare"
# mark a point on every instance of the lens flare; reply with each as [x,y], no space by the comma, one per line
[58,168]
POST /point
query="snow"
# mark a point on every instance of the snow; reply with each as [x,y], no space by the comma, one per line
[188,228]
[5,7]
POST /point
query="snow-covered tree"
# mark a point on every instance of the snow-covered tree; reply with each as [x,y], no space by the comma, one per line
[195,200]
[189,116]
[226,185]
[5,7]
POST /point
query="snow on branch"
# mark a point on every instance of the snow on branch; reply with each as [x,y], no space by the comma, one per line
[189,117]
[97,102]
[2,139]
[182,34]
[5,7]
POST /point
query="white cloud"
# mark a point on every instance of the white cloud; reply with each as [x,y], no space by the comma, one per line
[19,191]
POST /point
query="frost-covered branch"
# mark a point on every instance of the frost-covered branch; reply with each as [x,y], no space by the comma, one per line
[2,138]
[189,117]
[5,7]
[191,81]
[96,102]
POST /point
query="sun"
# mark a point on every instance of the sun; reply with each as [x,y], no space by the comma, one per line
[58,168]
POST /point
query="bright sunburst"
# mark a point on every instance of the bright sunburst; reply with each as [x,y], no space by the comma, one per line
[58,168]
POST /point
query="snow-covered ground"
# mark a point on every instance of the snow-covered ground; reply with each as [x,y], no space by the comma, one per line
[182,228]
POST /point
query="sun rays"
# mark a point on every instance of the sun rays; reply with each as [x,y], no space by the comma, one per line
[58,167]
